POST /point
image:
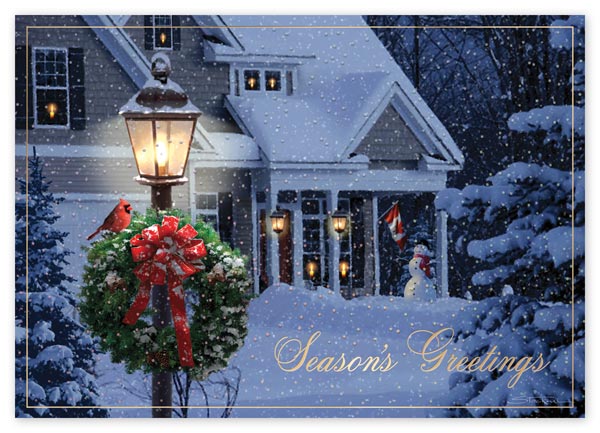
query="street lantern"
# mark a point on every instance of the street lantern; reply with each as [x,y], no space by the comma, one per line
[277,220]
[160,120]
[340,221]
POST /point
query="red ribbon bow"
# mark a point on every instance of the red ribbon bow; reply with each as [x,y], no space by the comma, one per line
[165,254]
[424,265]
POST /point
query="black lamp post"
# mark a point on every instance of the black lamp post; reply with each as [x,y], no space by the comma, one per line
[161,120]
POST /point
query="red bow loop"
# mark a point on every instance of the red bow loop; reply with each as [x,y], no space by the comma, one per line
[195,250]
[165,254]
[184,235]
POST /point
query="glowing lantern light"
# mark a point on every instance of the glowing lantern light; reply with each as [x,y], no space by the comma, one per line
[340,221]
[277,220]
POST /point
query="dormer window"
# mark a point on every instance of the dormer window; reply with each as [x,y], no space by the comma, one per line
[252,80]
[273,81]
[261,80]
[162,32]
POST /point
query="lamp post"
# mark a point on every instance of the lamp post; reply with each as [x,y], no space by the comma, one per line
[160,121]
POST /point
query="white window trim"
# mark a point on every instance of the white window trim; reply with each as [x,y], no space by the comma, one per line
[170,27]
[37,125]
[262,70]
[205,212]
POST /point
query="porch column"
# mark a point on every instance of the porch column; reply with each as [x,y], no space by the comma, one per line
[334,243]
[376,264]
[255,237]
[272,238]
[441,219]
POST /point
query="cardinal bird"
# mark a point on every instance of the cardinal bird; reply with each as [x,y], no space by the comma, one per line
[117,220]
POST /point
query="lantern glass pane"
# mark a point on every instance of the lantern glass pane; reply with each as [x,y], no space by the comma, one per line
[173,139]
[140,134]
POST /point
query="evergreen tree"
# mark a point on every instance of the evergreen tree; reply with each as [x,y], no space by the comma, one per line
[52,347]
[525,228]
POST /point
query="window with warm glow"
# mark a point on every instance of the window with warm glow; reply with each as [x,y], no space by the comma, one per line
[163,32]
[261,80]
[252,80]
[51,87]
[273,81]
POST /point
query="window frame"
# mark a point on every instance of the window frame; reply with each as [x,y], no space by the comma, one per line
[169,27]
[322,218]
[36,87]
[347,239]
[206,211]
[238,87]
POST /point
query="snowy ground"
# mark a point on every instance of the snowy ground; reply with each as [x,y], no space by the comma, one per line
[360,327]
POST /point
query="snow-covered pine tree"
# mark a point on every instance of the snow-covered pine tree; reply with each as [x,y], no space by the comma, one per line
[526,228]
[59,354]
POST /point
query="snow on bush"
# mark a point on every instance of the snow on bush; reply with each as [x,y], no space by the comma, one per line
[54,357]
[520,224]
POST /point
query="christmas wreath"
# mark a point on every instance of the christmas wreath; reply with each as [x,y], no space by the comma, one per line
[207,282]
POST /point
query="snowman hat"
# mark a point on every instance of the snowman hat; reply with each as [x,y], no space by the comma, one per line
[422,241]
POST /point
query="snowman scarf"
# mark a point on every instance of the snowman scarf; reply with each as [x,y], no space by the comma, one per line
[424,265]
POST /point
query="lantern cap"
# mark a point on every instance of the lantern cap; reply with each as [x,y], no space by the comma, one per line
[339,214]
[277,213]
[160,95]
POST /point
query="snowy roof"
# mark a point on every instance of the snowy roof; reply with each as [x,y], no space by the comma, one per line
[344,76]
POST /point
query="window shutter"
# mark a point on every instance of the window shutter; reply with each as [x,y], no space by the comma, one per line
[148,33]
[22,55]
[76,89]
[225,217]
[176,22]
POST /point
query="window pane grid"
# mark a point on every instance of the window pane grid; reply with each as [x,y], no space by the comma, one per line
[51,93]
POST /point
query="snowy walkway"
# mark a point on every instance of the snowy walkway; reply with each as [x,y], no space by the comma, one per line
[361,327]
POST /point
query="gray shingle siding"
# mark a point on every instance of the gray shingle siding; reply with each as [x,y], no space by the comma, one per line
[390,139]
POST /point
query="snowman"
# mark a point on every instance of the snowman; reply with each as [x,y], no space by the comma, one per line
[420,287]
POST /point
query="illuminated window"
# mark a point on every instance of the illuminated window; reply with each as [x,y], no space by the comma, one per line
[51,87]
[273,81]
[163,32]
[252,80]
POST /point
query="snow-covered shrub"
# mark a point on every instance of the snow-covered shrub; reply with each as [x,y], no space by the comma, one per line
[54,353]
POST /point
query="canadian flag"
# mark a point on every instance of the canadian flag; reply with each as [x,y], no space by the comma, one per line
[394,221]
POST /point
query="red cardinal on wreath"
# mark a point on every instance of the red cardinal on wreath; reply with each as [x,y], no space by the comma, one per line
[116,221]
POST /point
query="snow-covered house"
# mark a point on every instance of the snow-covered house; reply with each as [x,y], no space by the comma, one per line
[308,114]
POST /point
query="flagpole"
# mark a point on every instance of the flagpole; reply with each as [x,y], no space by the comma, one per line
[388,209]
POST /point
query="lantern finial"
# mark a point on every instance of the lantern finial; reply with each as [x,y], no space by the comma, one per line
[161,67]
